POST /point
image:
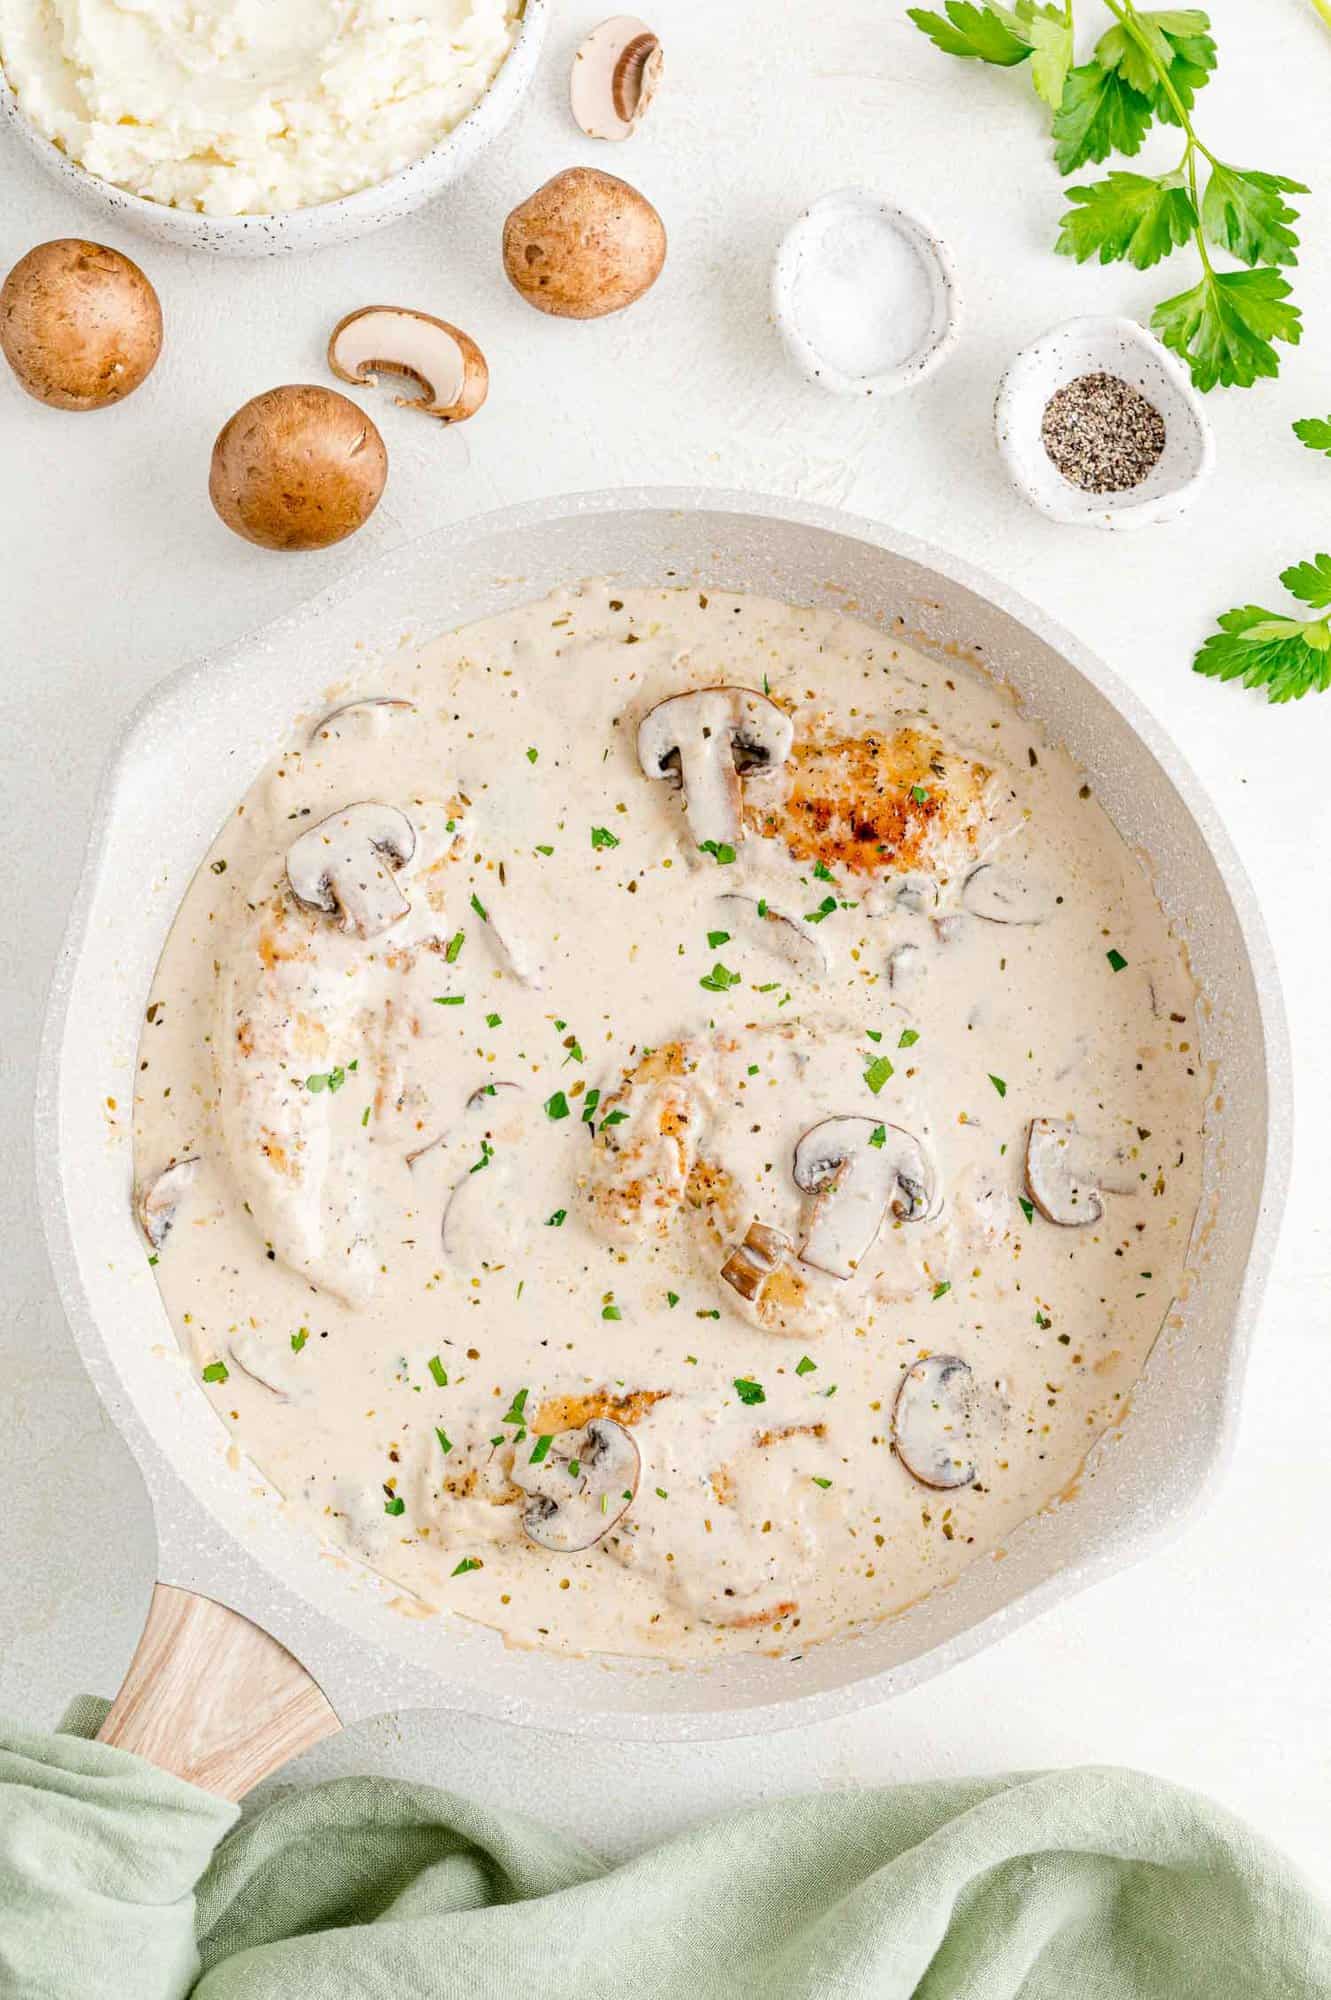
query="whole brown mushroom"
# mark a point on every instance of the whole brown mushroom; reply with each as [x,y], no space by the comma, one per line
[583,245]
[299,467]
[80,325]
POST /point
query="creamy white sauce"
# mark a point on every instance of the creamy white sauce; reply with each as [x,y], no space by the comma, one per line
[468,1182]
[245,107]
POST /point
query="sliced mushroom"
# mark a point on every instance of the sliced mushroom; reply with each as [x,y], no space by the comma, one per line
[159,1202]
[616,74]
[706,739]
[799,945]
[345,866]
[904,966]
[752,1262]
[274,1366]
[951,930]
[583,1486]
[1000,896]
[857,1178]
[1056,1175]
[375,704]
[933,1422]
[913,891]
[445,364]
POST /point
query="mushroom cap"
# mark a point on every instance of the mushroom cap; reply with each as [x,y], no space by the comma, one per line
[616,74]
[80,324]
[583,245]
[932,1422]
[1057,1175]
[299,467]
[446,364]
[582,1488]
[1001,896]
[344,865]
[857,1177]
[159,1201]
[373,703]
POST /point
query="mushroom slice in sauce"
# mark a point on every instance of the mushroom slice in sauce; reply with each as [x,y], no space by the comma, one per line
[159,1203]
[364,704]
[904,966]
[932,1421]
[583,1486]
[1059,1177]
[345,866]
[1000,896]
[706,739]
[797,944]
[857,1177]
[616,74]
[752,1262]
[446,364]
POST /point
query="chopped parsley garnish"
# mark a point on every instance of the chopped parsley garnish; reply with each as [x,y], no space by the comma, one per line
[823,872]
[825,909]
[720,850]
[1027,1207]
[805,1366]
[1043,1322]
[999,1085]
[602,837]
[574,1467]
[614,1118]
[395,1504]
[540,1448]
[449,999]
[487,1154]
[438,1370]
[445,1441]
[467,1563]
[920,795]
[715,939]
[513,1414]
[589,1104]
[878,1072]
[1116,959]
[672,1299]
[541,848]
[299,1338]
[720,979]
[216,1371]
[454,946]
[494,1020]
[556,1106]
[909,1037]
[944,1285]
[749,1391]
[824,1483]
[329,1079]
[365,1116]
[878,1137]
[557,1220]
[611,1312]
[532,755]
[874,1034]
[661,1493]
[479,908]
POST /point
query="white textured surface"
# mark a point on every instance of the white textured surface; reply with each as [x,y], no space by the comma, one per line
[1210,1664]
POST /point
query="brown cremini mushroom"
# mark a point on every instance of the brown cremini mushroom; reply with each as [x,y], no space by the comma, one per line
[345,867]
[297,468]
[446,365]
[616,74]
[933,1422]
[583,245]
[752,1262]
[80,325]
[706,739]
[859,1169]
[580,1488]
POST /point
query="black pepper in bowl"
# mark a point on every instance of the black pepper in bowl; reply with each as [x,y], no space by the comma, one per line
[1102,434]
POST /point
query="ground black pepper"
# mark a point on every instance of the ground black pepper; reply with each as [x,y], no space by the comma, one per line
[1102,434]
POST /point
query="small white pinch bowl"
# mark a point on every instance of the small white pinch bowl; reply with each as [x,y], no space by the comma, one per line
[292,230]
[1108,346]
[800,242]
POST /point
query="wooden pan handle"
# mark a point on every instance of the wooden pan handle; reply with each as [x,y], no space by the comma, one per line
[214,1699]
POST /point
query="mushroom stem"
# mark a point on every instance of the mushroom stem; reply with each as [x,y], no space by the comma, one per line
[705,738]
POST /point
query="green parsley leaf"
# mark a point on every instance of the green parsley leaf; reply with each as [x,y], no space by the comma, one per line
[479,908]
[449,999]
[454,946]
[1051,53]
[614,1118]
[1315,432]
[1100,113]
[395,1505]
[1246,213]
[540,849]
[878,1072]
[672,1299]
[940,1289]
[556,1106]
[874,1034]
[1224,326]
[468,1563]
[909,1037]
[494,1020]
[602,837]
[818,1481]
[999,1085]
[1172,44]
[589,1104]
[804,1366]
[878,1137]
[1310,582]
[557,1220]
[611,1312]
[216,1371]
[720,979]
[1287,658]
[920,794]
[445,1441]
[1127,216]
[487,1154]
[720,850]
[1116,959]
[824,910]
[532,755]
[1027,1207]
[438,1370]
[299,1338]
[715,939]
[541,1447]
[823,872]
[749,1391]
[514,1412]
[980,34]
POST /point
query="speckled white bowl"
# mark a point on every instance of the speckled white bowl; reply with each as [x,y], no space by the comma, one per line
[1112,347]
[934,256]
[297,229]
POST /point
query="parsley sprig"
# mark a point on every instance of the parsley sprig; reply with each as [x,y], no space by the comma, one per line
[1289,657]
[1146,70]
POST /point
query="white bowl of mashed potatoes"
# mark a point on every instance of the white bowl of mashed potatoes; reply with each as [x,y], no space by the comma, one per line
[248,129]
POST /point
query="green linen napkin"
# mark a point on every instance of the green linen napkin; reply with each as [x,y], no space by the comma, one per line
[118,1882]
